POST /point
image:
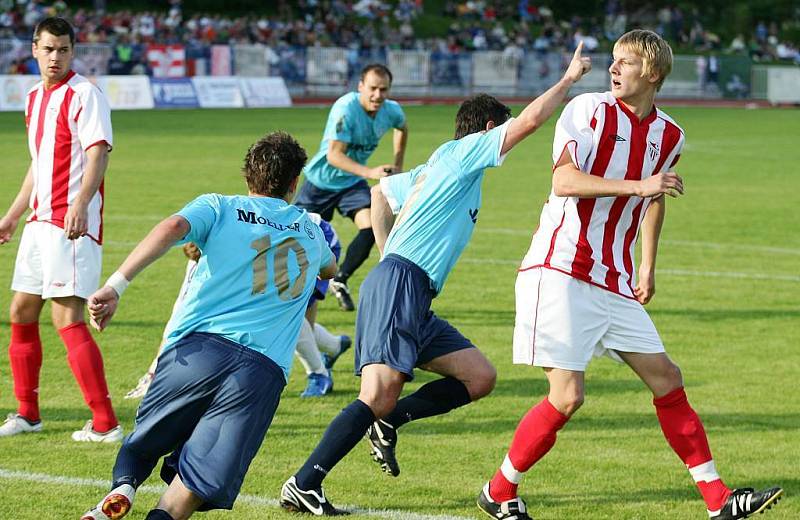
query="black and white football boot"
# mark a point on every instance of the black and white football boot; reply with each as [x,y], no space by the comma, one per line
[382,438]
[313,501]
[513,509]
[744,502]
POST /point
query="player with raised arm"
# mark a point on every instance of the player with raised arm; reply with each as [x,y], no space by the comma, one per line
[436,206]
[230,347]
[60,254]
[336,177]
[614,155]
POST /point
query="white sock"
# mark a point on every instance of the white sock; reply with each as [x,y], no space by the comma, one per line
[327,341]
[308,352]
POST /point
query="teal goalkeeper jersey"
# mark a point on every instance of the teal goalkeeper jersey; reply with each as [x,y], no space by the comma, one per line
[437,203]
[261,257]
[349,122]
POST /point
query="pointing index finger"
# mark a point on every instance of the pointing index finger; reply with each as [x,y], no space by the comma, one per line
[578,50]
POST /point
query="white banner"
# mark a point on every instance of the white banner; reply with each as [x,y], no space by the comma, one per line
[13,90]
[493,69]
[326,66]
[265,92]
[409,68]
[782,85]
[218,91]
[250,60]
[126,92]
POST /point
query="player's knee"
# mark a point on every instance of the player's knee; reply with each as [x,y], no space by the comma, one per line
[483,383]
[19,312]
[568,403]
[381,406]
[673,378]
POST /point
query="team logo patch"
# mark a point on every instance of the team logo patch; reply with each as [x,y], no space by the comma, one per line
[473,215]
[309,229]
[340,125]
[653,150]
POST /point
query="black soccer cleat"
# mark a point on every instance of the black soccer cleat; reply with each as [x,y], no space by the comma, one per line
[382,438]
[342,294]
[313,501]
[744,502]
[513,509]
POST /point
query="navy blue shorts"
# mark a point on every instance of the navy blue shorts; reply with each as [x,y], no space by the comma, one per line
[395,325]
[348,201]
[210,404]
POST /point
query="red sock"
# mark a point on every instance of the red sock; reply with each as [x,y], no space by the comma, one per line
[535,435]
[25,353]
[685,433]
[86,363]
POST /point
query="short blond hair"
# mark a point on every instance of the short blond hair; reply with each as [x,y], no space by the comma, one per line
[655,52]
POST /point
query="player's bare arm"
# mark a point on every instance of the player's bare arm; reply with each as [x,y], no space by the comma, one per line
[399,142]
[382,217]
[76,221]
[329,271]
[337,157]
[8,224]
[569,181]
[650,232]
[540,109]
[103,303]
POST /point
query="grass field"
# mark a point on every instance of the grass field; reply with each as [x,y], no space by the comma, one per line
[727,308]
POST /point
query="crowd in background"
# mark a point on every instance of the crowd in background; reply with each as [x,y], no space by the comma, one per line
[365,25]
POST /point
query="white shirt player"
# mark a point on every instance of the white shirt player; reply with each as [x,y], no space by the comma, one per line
[63,122]
[593,239]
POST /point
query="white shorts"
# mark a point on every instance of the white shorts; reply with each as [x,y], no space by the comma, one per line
[561,322]
[51,265]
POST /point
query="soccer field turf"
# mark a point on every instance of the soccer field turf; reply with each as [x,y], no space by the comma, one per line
[726,307]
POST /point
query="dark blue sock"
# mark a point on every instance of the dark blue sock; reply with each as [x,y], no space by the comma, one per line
[434,398]
[342,435]
[131,468]
[158,514]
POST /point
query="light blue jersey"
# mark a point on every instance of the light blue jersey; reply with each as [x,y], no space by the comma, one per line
[261,257]
[437,203]
[349,122]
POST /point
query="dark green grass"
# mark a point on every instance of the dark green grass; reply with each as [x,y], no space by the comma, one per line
[735,336]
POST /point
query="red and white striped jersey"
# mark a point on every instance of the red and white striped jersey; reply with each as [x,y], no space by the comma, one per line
[63,122]
[593,239]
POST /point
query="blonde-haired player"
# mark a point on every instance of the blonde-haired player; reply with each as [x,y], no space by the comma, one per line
[576,292]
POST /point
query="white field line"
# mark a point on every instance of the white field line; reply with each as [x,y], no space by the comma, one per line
[686,243]
[668,272]
[42,478]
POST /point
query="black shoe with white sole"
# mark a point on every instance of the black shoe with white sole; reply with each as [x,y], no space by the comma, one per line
[342,294]
[513,509]
[744,502]
[313,501]
[382,438]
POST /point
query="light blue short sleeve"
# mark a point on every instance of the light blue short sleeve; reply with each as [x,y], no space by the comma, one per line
[397,187]
[398,117]
[482,149]
[340,123]
[201,214]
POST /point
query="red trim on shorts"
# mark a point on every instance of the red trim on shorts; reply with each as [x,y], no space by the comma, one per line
[587,280]
[582,263]
[62,161]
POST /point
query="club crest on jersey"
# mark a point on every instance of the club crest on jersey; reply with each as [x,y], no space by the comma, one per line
[473,215]
[309,229]
[653,150]
[340,125]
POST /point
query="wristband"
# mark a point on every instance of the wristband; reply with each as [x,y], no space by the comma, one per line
[118,282]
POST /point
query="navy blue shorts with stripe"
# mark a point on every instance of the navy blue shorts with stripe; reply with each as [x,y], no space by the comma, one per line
[348,201]
[210,404]
[395,325]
